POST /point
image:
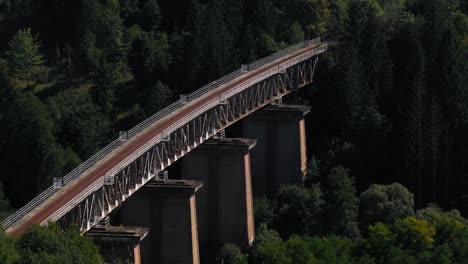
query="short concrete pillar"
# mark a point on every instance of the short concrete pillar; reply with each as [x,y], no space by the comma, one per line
[280,156]
[168,209]
[119,242]
[224,205]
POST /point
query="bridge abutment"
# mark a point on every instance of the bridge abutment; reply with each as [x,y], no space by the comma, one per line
[225,206]
[168,209]
[280,156]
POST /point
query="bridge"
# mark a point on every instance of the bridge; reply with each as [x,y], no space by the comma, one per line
[106,180]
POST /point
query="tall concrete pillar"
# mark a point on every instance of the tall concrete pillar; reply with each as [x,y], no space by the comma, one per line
[224,205]
[168,209]
[280,156]
[119,242]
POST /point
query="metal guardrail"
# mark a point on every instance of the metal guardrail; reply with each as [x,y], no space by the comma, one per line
[9,221]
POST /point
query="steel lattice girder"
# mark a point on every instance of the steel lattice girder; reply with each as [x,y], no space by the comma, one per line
[118,187]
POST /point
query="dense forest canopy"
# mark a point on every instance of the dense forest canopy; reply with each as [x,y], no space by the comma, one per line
[389,101]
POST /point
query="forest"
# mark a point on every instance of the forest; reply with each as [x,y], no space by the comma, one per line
[386,135]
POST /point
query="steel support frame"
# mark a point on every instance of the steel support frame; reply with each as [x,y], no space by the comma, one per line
[116,187]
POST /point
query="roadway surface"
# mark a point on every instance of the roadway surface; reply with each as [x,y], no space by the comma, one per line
[73,188]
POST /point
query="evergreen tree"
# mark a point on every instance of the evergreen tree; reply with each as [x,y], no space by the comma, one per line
[155,98]
[24,57]
[30,156]
[103,93]
[218,44]
[151,16]
[102,35]
[149,57]
[341,204]
[187,48]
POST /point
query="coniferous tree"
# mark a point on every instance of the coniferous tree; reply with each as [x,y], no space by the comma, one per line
[155,97]
[149,57]
[218,43]
[28,133]
[341,204]
[151,16]
[24,57]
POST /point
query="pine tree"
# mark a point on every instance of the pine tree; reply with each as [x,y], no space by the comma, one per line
[155,97]
[30,156]
[341,203]
[218,43]
[24,57]
[151,16]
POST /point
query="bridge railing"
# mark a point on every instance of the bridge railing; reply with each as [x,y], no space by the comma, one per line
[75,173]
[251,66]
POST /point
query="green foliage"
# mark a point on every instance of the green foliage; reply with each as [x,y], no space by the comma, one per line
[341,204]
[28,136]
[103,93]
[267,239]
[263,211]
[390,99]
[4,204]
[219,43]
[451,230]
[304,249]
[151,15]
[274,252]
[267,45]
[298,210]
[149,56]
[81,126]
[48,245]
[24,57]
[231,254]
[155,98]
[294,34]
[299,251]
[8,252]
[102,35]
[379,242]
[51,245]
[385,203]
[414,234]
[265,235]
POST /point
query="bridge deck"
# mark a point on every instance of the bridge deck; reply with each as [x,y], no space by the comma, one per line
[56,201]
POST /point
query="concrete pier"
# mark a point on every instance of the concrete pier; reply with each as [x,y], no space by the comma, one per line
[224,204]
[280,156]
[119,242]
[168,209]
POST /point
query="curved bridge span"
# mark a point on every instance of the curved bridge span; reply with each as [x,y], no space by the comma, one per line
[99,185]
